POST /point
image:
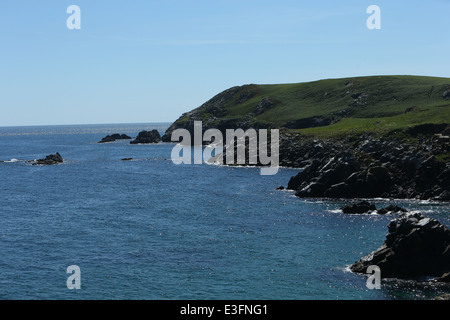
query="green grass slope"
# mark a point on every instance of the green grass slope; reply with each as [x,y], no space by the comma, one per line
[379,104]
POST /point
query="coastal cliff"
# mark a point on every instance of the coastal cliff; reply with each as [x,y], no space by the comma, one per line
[380,136]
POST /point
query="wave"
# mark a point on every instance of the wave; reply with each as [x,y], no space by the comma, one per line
[13,160]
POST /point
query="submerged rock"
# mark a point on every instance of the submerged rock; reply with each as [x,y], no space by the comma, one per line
[50,160]
[415,247]
[147,137]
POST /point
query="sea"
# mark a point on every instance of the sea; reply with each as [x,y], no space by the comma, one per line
[148,229]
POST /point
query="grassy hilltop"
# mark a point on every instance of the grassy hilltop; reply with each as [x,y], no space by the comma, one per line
[327,108]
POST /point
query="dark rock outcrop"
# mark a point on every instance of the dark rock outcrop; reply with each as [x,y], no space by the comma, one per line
[50,160]
[446,95]
[391,209]
[369,167]
[365,207]
[359,208]
[114,137]
[147,137]
[415,247]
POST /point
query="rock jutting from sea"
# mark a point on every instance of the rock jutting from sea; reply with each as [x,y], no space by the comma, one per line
[50,160]
[364,207]
[114,137]
[147,137]
[416,247]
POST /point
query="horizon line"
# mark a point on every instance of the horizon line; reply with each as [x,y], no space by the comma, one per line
[86,124]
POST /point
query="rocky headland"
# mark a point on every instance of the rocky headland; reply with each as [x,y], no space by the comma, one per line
[364,137]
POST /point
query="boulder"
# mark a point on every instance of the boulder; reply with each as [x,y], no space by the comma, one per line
[147,137]
[416,246]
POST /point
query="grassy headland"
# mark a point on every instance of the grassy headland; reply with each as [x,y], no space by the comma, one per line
[356,137]
[330,108]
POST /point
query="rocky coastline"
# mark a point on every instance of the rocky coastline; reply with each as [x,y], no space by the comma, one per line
[369,167]
[412,165]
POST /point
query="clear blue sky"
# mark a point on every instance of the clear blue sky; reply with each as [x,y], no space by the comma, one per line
[150,61]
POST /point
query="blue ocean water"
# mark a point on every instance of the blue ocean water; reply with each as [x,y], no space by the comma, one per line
[150,229]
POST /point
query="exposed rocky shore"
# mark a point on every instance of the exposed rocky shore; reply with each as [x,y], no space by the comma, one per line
[414,165]
[369,167]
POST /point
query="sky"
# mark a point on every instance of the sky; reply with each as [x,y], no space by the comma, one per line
[150,61]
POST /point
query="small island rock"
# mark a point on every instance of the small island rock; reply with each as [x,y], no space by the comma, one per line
[147,137]
[50,160]
[114,137]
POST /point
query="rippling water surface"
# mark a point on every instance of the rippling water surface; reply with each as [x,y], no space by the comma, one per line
[149,229]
